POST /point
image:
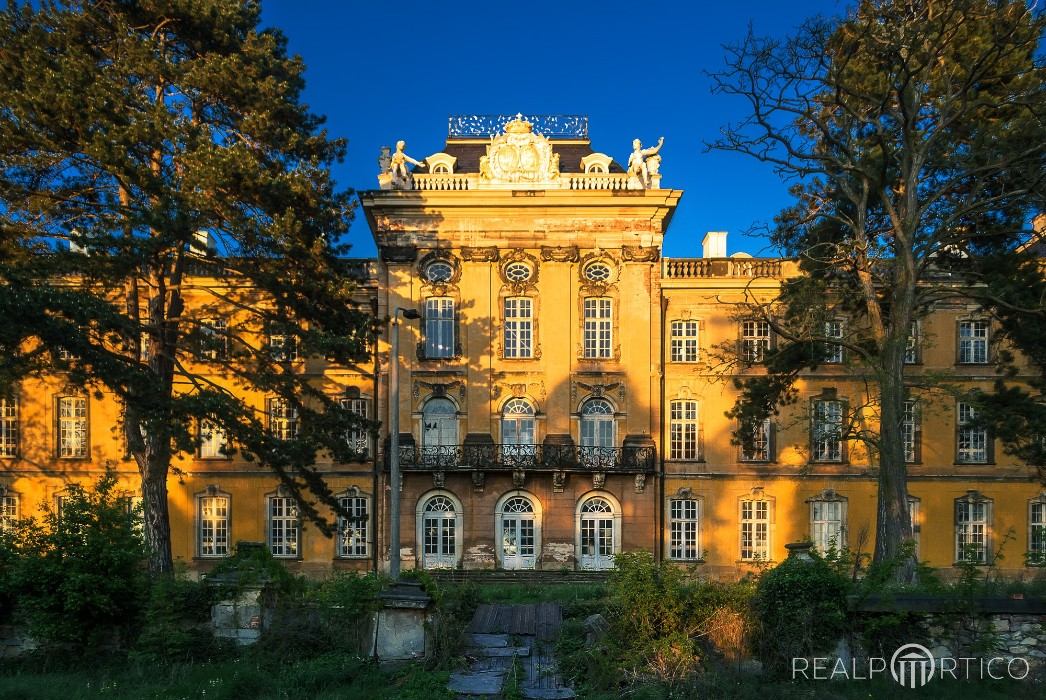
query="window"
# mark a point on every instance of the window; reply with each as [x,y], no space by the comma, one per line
[598,328]
[283,347]
[353,530]
[973,342]
[8,511]
[518,272]
[597,423]
[214,340]
[597,272]
[685,523]
[283,419]
[439,523]
[1037,531]
[684,341]
[439,328]
[828,431]
[755,340]
[972,440]
[439,271]
[519,327]
[440,169]
[283,526]
[359,436]
[213,442]
[910,430]
[833,352]
[828,523]
[915,521]
[755,530]
[683,442]
[912,345]
[760,448]
[972,528]
[518,441]
[212,515]
[8,427]
[72,427]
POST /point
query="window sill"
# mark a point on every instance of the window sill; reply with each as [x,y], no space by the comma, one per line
[354,557]
[686,561]
[974,464]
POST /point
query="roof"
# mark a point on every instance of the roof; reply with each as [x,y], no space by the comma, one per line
[468,153]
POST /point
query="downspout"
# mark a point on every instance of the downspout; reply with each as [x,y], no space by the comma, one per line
[376,437]
[661,439]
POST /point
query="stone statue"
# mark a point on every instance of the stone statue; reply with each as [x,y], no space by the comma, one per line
[400,160]
[644,163]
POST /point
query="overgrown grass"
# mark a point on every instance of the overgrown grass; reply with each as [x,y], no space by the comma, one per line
[327,677]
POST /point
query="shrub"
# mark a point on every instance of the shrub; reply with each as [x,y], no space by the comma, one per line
[79,580]
[800,610]
[176,623]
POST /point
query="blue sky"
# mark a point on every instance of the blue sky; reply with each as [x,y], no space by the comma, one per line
[382,71]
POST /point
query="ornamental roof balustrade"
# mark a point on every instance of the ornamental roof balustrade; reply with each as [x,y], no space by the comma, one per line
[694,268]
[552,126]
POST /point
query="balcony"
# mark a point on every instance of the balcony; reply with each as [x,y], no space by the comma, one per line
[528,458]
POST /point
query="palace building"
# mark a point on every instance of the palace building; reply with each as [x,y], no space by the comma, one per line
[563,394]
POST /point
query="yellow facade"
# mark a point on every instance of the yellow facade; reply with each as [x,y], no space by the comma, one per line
[563,396]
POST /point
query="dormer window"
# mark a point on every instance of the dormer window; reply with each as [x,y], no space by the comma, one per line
[440,169]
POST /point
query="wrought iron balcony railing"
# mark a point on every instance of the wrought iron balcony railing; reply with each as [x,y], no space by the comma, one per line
[527,457]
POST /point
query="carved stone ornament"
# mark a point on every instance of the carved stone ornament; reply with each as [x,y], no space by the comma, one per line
[479,253]
[479,479]
[519,477]
[599,479]
[685,492]
[635,253]
[566,253]
[518,158]
[640,483]
[559,481]
[439,479]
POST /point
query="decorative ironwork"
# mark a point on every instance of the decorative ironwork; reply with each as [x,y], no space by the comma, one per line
[552,126]
[527,457]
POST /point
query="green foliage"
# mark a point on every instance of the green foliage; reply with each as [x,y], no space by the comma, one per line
[78,581]
[800,609]
[176,624]
[251,565]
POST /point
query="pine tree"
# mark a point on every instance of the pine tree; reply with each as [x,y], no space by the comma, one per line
[126,129]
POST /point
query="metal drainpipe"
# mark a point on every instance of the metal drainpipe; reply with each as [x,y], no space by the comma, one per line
[661,446]
[376,437]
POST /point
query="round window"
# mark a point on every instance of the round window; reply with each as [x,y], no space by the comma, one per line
[439,271]
[517,272]
[597,272]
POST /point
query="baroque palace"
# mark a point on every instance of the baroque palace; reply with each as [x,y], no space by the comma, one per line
[562,393]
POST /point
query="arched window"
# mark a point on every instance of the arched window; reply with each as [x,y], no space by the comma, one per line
[518,525]
[599,532]
[597,434]
[439,531]
[518,438]
[440,169]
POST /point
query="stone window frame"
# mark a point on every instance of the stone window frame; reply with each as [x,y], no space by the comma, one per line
[756,495]
[987,340]
[683,356]
[348,400]
[1037,557]
[829,496]
[915,518]
[200,442]
[58,423]
[835,353]
[419,527]
[829,396]
[684,495]
[272,403]
[915,455]
[283,495]
[771,445]
[962,538]
[499,513]
[985,433]
[697,454]
[213,492]
[743,342]
[10,508]
[10,426]
[615,512]
[605,289]
[355,493]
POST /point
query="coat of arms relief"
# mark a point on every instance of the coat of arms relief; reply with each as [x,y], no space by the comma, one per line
[518,156]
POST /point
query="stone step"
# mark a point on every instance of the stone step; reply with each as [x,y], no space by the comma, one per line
[498,651]
[478,684]
[488,640]
[559,693]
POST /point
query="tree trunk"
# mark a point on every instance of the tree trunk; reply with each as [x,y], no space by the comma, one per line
[893,523]
[157,521]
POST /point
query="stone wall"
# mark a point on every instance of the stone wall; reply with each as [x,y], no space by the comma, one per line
[1005,635]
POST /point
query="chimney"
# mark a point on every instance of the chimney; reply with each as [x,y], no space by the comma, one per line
[201,243]
[714,244]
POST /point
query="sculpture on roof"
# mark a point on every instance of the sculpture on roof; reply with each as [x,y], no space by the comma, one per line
[645,164]
[518,157]
[394,174]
